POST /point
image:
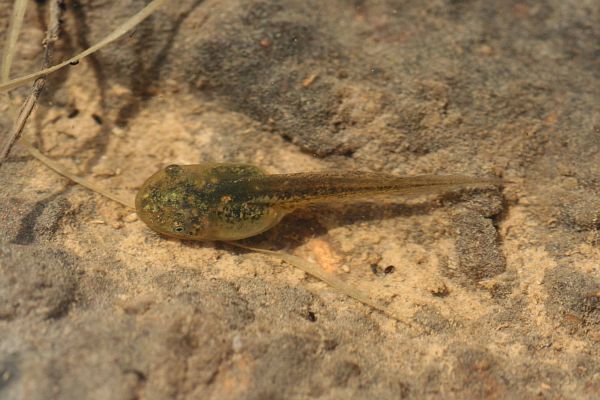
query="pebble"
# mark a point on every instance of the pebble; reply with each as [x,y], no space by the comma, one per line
[130,218]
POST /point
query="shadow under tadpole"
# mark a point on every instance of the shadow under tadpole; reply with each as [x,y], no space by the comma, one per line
[299,226]
[303,224]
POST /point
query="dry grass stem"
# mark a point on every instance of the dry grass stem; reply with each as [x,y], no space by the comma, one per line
[16,21]
[51,37]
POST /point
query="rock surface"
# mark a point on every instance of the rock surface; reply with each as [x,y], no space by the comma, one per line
[497,292]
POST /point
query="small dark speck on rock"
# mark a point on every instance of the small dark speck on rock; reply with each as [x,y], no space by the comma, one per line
[374,268]
[97,119]
[377,270]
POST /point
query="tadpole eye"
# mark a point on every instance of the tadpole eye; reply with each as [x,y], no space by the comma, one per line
[178,229]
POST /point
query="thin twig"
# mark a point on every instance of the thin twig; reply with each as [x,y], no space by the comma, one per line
[16,22]
[56,167]
[329,279]
[38,86]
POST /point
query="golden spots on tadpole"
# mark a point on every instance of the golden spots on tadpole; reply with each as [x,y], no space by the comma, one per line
[201,224]
[168,195]
[214,179]
[226,199]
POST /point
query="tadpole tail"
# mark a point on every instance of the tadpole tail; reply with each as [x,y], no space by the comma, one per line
[297,190]
[432,184]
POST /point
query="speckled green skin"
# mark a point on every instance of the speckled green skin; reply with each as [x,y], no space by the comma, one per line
[205,202]
[236,201]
